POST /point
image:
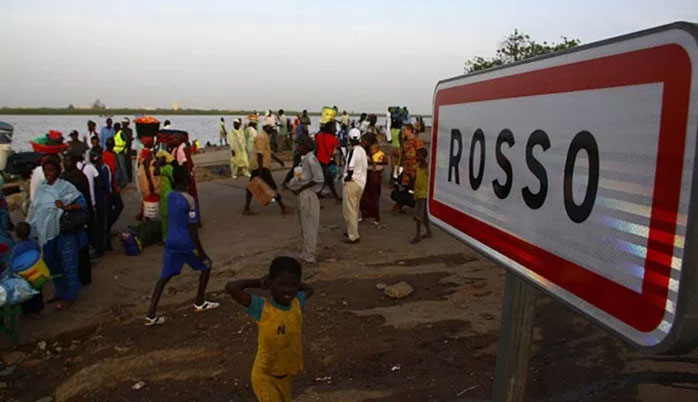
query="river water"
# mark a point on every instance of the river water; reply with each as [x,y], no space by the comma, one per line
[203,128]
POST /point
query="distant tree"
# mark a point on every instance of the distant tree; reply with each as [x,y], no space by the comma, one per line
[98,105]
[71,107]
[517,46]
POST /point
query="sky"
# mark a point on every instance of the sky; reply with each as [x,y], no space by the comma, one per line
[359,55]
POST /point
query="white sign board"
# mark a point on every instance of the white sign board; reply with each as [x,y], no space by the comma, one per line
[576,171]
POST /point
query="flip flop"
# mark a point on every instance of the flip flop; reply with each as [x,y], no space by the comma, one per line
[207,305]
[158,320]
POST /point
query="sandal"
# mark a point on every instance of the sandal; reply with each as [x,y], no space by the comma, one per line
[157,320]
[207,305]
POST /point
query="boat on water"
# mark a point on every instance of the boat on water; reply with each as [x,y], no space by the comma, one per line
[6,131]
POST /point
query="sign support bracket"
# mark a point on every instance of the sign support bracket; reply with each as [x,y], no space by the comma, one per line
[515,339]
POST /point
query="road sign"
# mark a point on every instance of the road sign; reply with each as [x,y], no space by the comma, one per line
[576,171]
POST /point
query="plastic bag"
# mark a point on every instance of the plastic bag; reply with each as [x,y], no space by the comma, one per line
[17,289]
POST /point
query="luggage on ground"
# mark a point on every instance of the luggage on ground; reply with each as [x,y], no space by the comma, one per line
[149,232]
[131,242]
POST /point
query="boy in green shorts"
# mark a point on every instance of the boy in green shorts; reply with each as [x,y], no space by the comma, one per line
[280,320]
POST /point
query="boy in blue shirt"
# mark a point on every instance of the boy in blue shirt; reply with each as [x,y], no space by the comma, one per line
[182,246]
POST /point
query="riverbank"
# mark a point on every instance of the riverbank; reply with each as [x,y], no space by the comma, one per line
[39,111]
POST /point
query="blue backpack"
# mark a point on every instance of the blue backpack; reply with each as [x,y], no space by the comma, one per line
[131,242]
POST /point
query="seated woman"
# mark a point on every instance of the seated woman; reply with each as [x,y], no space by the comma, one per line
[61,248]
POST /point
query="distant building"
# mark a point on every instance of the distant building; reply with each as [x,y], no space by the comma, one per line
[176,105]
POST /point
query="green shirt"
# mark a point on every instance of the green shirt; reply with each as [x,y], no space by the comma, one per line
[166,180]
[420,183]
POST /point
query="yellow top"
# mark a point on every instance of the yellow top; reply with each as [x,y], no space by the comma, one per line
[279,348]
[420,183]
[378,157]
[119,142]
[262,146]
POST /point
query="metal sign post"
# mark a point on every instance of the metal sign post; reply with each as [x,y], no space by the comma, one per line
[515,336]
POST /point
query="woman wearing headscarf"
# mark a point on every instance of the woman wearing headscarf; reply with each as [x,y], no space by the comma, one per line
[239,160]
[370,199]
[148,182]
[165,173]
[61,248]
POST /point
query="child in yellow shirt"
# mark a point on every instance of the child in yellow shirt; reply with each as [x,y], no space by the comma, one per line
[280,321]
[420,197]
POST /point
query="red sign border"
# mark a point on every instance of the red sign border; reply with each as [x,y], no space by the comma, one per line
[667,64]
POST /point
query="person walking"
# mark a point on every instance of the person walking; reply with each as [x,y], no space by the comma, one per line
[260,164]
[182,246]
[305,184]
[239,162]
[354,183]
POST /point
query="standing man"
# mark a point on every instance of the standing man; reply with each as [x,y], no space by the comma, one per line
[355,173]
[395,125]
[92,130]
[345,118]
[284,130]
[122,157]
[105,133]
[223,134]
[306,182]
[305,119]
[326,144]
[260,161]
[75,146]
[238,148]
[128,136]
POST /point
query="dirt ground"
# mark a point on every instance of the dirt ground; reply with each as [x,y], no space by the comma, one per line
[437,344]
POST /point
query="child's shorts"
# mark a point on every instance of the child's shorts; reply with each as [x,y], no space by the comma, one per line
[271,389]
[173,262]
[420,210]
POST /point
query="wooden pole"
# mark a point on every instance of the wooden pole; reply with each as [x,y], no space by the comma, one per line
[515,335]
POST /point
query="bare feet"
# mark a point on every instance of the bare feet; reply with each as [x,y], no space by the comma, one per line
[416,240]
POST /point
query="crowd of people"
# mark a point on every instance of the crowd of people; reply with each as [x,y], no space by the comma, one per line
[344,152]
[75,199]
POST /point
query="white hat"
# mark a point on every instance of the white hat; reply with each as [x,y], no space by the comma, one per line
[354,134]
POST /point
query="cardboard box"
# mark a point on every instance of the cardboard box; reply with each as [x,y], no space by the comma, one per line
[261,191]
